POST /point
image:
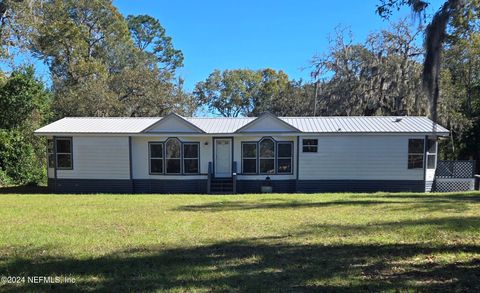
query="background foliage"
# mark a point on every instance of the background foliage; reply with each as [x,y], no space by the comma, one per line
[104,64]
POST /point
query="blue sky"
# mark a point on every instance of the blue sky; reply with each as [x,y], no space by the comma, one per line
[283,35]
[279,34]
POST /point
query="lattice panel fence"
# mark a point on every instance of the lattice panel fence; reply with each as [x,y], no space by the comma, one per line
[455,169]
[454,176]
[451,185]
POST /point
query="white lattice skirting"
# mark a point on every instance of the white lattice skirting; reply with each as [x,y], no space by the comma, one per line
[454,184]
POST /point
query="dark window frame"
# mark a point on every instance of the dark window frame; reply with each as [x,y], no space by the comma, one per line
[164,153]
[197,144]
[250,158]
[315,146]
[418,154]
[63,154]
[180,171]
[150,143]
[260,158]
[275,157]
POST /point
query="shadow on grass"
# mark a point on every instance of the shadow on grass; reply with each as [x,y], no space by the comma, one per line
[473,196]
[250,205]
[457,202]
[450,224]
[255,265]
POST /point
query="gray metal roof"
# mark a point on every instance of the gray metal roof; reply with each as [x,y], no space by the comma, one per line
[339,124]
[364,124]
[98,125]
[220,124]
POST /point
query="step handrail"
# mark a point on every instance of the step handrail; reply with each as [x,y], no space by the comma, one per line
[209,178]
[234,177]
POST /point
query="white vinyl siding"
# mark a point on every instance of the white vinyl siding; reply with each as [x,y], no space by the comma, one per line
[98,158]
[359,157]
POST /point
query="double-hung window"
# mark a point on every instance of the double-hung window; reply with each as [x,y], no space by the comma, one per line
[284,157]
[309,145]
[249,157]
[64,153]
[431,154]
[267,156]
[190,158]
[156,158]
[416,148]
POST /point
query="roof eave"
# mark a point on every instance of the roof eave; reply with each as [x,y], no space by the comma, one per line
[283,133]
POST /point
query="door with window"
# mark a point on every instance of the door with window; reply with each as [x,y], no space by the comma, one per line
[223,157]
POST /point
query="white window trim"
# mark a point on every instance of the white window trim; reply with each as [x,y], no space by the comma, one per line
[432,154]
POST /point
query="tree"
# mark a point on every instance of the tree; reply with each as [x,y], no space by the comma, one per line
[381,76]
[24,106]
[459,103]
[230,93]
[20,95]
[281,96]
[435,35]
[16,23]
[101,67]
[244,92]
[149,36]
[76,38]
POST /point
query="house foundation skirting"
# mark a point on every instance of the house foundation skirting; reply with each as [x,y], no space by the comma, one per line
[167,186]
[278,186]
[127,186]
[360,185]
[90,186]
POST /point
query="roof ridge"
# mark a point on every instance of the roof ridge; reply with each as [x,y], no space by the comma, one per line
[219,117]
[112,117]
[286,117]
[343,117]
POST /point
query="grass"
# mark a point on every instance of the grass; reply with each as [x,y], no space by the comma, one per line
[278,242]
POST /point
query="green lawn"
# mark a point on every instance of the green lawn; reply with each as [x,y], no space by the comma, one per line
[296,242]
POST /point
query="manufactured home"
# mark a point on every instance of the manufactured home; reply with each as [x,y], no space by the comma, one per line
[176,154]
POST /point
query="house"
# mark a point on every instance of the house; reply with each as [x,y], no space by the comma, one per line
[176,154]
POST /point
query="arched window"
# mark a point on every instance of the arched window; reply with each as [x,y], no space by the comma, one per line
[173,156]
[267,156]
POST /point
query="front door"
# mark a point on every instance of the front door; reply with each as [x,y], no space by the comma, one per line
[223,157]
